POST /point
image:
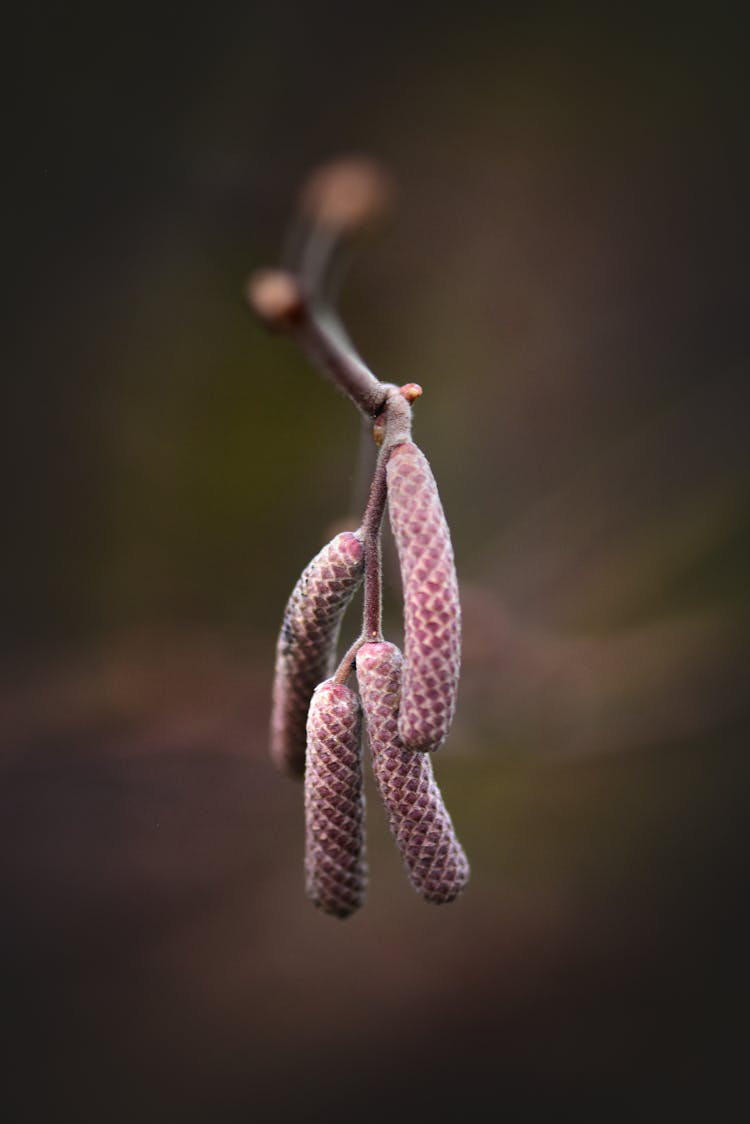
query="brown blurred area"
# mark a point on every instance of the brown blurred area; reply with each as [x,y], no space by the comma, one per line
[565,275]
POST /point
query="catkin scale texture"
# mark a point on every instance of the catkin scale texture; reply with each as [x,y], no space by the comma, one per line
[432,610]
[335,870]
[434,859]
[306,648]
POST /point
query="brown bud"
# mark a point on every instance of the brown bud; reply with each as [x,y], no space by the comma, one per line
[335,869]
[306,648]
[274,295]
[432,611]
[434,859]
[347,194]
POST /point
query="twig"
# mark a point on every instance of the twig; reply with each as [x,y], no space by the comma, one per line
[337,202]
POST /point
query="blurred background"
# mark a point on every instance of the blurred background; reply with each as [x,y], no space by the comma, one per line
[565,275]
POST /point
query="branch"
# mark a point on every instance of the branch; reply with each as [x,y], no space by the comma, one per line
[338,202]
[278,299]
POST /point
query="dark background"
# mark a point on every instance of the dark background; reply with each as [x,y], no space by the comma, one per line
[566,277]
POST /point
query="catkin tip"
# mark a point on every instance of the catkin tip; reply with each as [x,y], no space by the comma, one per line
[335,867]
[420,823]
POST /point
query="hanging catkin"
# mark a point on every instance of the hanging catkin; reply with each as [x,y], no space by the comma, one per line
[434,859]
[306,648]
[432,611]
[335,870]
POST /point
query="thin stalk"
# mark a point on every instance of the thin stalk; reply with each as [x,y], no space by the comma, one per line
[396,429]
[280,300]
[344,669]
[372,521]
[372,614]
[329,354]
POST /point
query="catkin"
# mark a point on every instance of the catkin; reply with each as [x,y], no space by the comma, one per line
[432,611]
[306,648]
[335,870]
[434,859]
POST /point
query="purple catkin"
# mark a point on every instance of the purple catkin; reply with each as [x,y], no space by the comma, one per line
[435,861]
[432,610]
[335,869]
[306,649]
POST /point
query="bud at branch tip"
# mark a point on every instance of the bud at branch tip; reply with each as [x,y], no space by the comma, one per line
[274,295]
[347,194]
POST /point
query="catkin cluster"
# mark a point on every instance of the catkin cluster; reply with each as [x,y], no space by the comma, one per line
[407,702]
[404,704]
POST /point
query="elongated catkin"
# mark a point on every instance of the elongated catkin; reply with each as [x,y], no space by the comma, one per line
[335,870]
[432,610]
[434,859]
[306,648]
